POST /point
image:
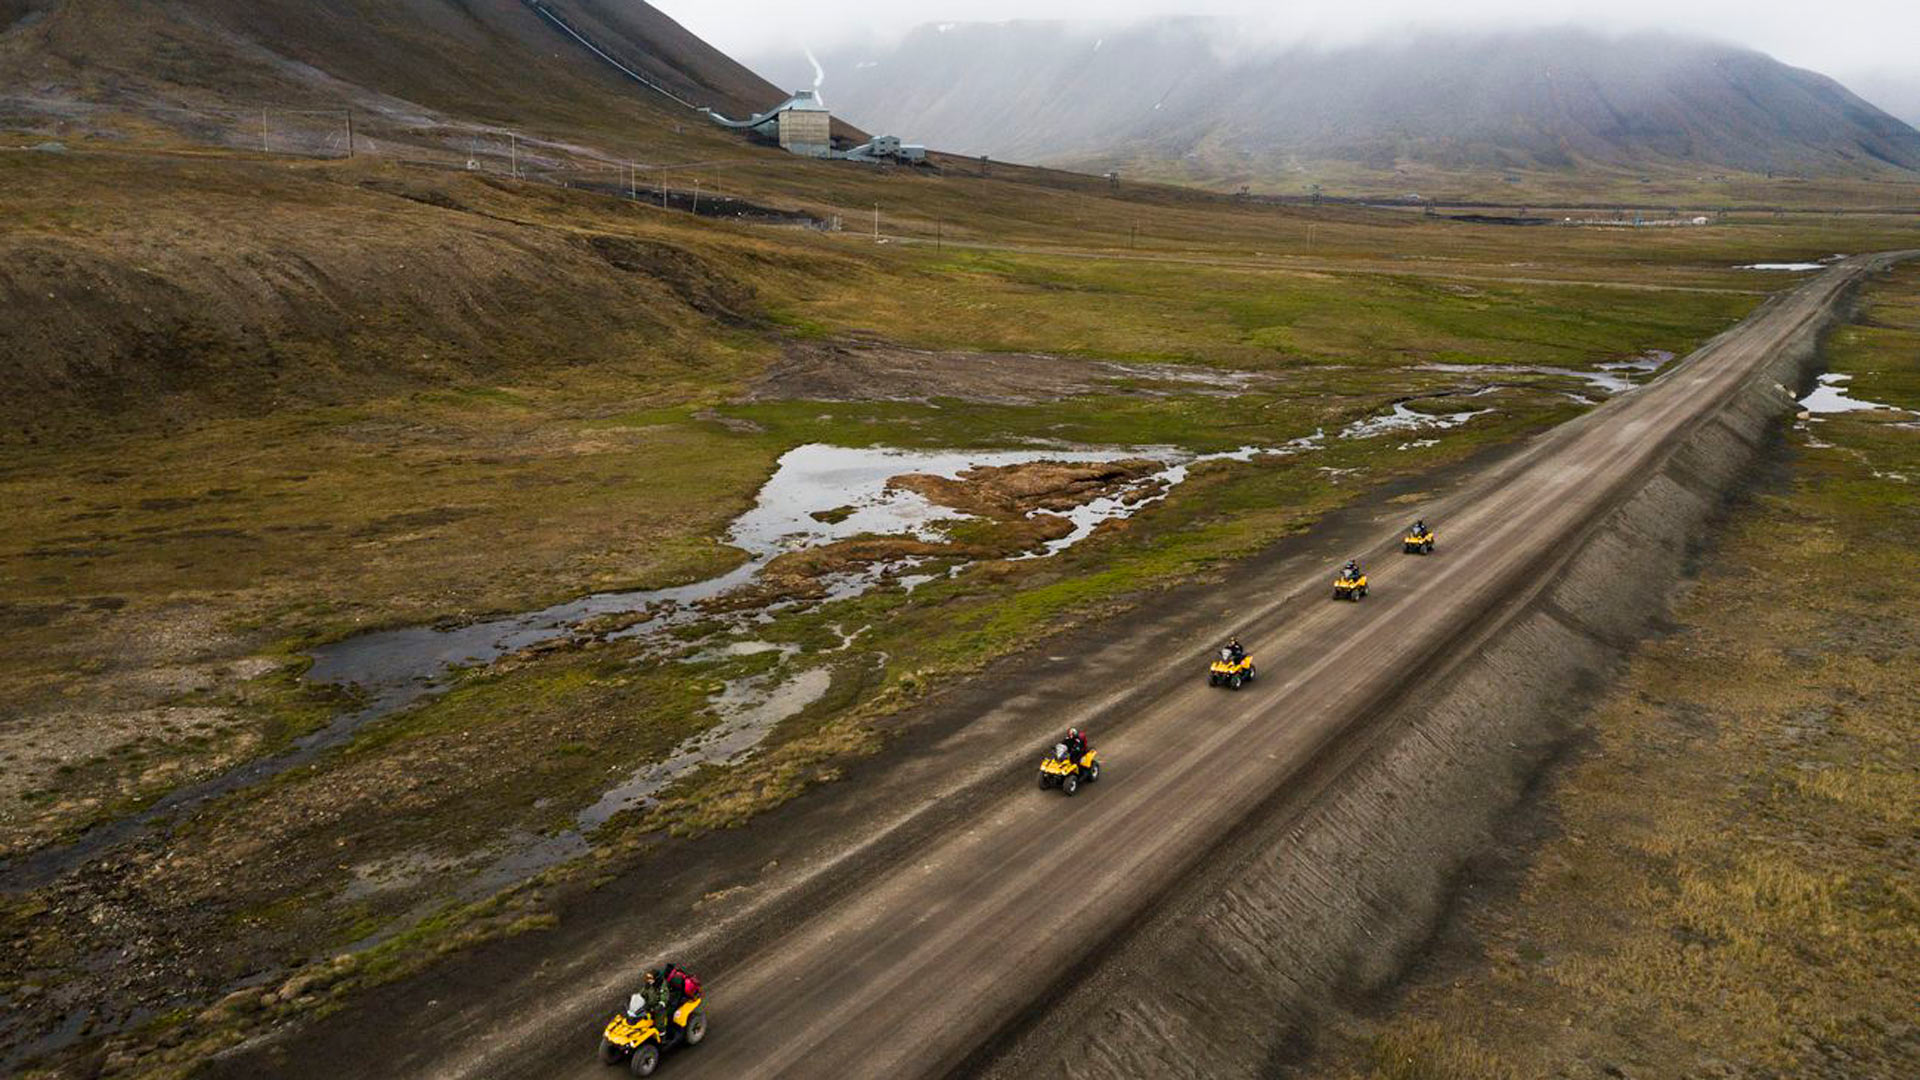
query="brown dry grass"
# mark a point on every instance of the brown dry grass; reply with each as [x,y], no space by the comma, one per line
[386,409]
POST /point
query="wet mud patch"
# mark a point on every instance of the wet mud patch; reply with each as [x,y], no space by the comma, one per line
[862,371]
[1010,491]
[976,513]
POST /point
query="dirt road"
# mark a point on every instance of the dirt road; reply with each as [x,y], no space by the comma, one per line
[921,958]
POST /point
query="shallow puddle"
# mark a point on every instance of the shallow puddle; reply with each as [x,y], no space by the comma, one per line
[1796,268]
[1404,419]
[817,495]
[748,708]
[1830,396]
[1612,377]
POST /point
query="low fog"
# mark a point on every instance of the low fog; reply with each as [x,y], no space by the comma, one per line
[1864,42]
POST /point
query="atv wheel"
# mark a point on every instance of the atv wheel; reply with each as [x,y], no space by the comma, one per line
[609,1053]
[1069,785]
[1045,781]
[1093,772]
[645,1059]
[696,1027]
[1213,680]
[1236,682]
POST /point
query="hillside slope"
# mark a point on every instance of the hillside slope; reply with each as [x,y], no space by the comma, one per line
[418,61]
[1178,90]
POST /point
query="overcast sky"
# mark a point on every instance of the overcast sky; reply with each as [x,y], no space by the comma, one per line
[1838,37]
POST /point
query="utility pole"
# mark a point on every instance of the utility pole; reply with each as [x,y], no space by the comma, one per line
[263,131]
[514,140]
[349,134]
[696,195]
[876,221]
[633,180]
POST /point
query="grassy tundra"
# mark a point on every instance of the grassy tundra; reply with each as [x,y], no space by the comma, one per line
[267,406]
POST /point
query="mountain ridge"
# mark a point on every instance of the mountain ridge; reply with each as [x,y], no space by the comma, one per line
[64,63]
[1186,90]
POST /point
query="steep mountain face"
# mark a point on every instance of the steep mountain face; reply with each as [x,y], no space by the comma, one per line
[493,60]
[1188,89]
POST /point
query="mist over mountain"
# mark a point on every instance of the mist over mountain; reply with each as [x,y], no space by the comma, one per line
[1897,92]
[1190,91]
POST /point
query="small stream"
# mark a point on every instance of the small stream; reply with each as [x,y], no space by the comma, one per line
[749,710]
[1613,377]
[817,494]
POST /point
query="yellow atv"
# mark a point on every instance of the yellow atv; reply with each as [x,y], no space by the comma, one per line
[1059,770]
[633,1036]
[1419,543]
[1230,673]
[1349,588]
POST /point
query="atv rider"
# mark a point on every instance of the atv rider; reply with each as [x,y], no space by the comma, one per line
[1236,651]
[673,994]
[1351,571]
[1076,744]
[1419,528]
[653,996]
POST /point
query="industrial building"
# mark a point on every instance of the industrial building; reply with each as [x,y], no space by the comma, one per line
[887,148]
[802,125]
[799,125]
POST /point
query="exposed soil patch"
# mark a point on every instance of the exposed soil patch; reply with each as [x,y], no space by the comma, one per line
[705,204]
[1009,491]
[861,371]
[1019,507]
[694,280]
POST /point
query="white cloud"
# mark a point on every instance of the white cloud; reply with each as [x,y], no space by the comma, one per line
[1838,37]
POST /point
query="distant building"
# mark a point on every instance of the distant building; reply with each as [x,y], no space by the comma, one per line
[799,125]
[805,125]
[802,125]
[887,148]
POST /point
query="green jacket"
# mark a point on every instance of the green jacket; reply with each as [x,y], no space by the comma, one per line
[654,996]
